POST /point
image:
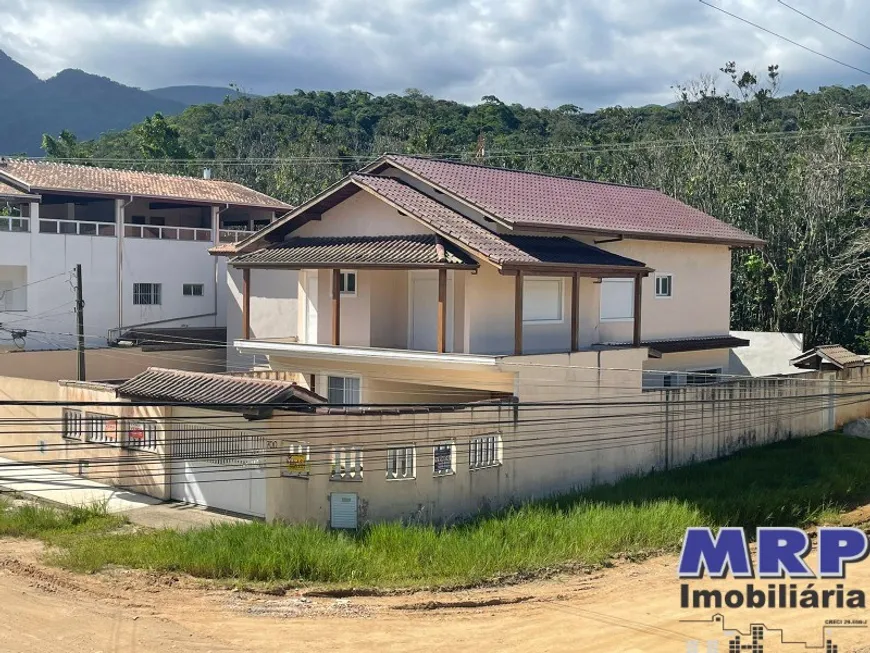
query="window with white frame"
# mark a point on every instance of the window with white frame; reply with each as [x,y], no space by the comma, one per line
[141,434]
[443,459]
[347,464]
[298,460]
[73,424]
[13,288]
[617,299]
[664,285]
[703,376]
[147,294]
[542,300]
[400,462]
[101,428]
[347,283]
[192,289]
[484,451]
[343,390]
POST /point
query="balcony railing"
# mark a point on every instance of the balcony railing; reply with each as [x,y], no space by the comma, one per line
[76,227]
[167,233]
[233,235]
[9,223]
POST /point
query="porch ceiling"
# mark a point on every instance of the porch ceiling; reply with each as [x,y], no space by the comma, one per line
[410,251]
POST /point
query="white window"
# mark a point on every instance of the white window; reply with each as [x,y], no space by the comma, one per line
[400,462]
[542,300]
[443,459]
[664,285]
[298,461]
[347,464]
[484,451]
[703,376]
[146,294]
[141,434]
[347,283]
[73,425]
[617,299]
[13,288]
[343,390]
[101,428]
[192,289]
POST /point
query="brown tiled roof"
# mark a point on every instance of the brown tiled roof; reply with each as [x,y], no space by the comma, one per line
[531,200]
[359,251]
[58,177]
[10,191]
[161,384]
[836,355]
[503,250]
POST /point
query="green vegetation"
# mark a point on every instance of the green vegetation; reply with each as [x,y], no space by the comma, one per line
[794,483]
[792,170]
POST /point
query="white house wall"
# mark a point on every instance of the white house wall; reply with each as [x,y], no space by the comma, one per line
[361,214]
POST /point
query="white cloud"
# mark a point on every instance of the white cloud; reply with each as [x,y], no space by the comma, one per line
[539,52]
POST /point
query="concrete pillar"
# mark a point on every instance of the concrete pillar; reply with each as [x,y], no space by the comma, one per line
[215,224]
[70,211]
[34,217]
[120,210]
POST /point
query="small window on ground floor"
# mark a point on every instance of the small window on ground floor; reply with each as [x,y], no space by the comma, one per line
[192,289]
[101,428]
[400,462]
[73,424]
[298,460]
[347,464]
[141,434]
[484,451]
[347,283]
[443,459]
[147,294]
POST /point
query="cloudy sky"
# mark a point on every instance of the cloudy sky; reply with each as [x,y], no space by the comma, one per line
[591,53]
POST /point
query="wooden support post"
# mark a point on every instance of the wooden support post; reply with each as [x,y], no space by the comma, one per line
[638,286]
[518,314]
[336,307]
[442,310]
[575,312]
[246,303]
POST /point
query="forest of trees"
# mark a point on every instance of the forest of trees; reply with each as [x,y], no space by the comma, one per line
[793,170]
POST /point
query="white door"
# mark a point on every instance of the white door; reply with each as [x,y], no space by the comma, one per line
[311,307]
[423,311]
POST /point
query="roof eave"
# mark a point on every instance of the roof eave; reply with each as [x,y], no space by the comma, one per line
[749,242]
[512,267]
[353,265]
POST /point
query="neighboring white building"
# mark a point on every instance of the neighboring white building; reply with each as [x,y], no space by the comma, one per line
[141,238]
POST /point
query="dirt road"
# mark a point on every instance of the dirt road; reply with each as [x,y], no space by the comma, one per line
[631,608]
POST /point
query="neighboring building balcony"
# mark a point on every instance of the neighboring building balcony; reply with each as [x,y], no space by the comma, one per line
[233,235]
[162,232]
[14,224]
[76,227]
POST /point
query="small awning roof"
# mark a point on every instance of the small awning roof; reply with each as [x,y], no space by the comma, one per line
[676,346]
[413,251]
[831,355]
[161,384]
[565,252]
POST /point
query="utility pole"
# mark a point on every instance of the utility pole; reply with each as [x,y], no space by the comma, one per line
[80,325]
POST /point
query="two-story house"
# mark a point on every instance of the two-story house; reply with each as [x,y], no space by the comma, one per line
[417,280]
[141,238]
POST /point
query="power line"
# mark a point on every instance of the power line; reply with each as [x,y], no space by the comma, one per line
[820,23]
[785,38]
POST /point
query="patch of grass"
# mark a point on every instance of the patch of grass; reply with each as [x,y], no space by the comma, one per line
[794,483]
[46,522]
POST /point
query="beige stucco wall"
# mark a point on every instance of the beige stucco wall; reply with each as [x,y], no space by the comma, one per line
[361,214]
[106,364]
[701,301]
[139,471]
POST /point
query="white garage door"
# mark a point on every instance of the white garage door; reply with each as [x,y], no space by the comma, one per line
[219,468]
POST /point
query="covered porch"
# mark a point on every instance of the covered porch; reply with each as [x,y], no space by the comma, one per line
[425,293]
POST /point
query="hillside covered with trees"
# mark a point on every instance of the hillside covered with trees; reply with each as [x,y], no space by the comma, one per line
[793,170]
